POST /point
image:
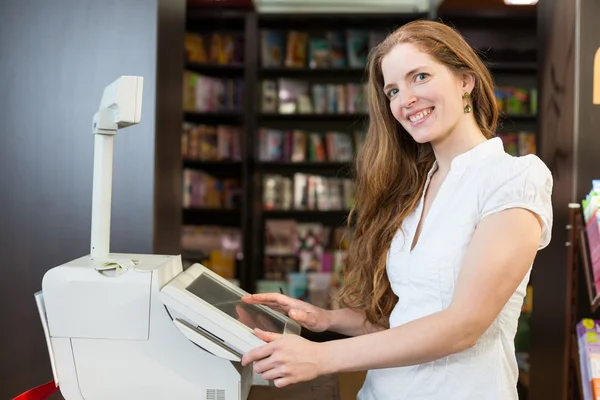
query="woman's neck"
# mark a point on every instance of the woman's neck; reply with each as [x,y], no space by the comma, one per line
[460,140]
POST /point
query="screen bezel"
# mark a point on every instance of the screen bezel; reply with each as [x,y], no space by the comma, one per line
[233,332]
[232,297]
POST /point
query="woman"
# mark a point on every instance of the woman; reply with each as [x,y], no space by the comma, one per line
[432,306]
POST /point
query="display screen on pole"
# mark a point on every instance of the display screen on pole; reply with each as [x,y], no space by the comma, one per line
[221,297]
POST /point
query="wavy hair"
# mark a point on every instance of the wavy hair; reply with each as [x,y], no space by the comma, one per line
[391,168]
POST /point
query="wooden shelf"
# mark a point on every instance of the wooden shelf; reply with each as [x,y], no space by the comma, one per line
[313,117]
[204,14]
[336,21]
[215,69]
[202,164]
[212,216]
[216,210]
[348,73]
[518,118]
[233,118]
[268,166]
[336,217]
[491,20]
[513,66]
[273,72]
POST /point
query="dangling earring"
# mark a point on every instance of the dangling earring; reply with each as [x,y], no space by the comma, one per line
[468,108]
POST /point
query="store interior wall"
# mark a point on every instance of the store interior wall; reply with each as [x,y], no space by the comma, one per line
[169,103]
[57,57]
[556,33]
[569,38]
[588,113]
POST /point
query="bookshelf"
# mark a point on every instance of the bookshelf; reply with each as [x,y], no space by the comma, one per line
[214,140]
[513,67]
[583,299]
[511,56]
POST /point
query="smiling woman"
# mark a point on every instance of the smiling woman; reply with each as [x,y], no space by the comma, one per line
[418,78]
[446,228]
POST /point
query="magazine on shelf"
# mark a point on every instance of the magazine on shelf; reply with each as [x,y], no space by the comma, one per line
[210,142]
[208,94]
[269,96]
[296,49]
[203,190]
[272,48]
[318,53]
[301,146]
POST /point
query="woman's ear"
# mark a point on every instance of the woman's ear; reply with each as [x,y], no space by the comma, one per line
[468,82]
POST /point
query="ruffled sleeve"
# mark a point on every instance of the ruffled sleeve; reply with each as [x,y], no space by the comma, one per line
[523,182]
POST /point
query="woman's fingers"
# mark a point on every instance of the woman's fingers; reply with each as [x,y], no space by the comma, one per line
[262,298]
[305,314]
[272,373]
[300,316]
[265,366]
[306,319]
[275,301]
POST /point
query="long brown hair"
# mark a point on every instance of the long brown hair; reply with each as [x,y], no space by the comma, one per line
[392,168]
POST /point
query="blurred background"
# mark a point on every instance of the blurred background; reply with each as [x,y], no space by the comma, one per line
[253,112]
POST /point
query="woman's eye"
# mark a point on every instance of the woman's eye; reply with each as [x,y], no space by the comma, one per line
[422,76]
[392,92]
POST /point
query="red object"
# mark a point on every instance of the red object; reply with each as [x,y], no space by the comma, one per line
[41,392]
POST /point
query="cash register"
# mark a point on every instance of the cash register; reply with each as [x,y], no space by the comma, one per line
[140,326]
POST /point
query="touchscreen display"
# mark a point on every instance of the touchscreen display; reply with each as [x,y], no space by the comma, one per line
[226,300]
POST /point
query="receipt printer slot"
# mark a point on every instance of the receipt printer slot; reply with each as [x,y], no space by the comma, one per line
[207,341]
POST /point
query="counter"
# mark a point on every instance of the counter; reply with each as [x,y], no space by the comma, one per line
[322,388]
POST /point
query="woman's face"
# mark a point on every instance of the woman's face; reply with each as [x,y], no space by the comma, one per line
[425,96]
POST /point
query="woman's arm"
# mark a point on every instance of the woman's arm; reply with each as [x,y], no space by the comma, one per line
[350,322]
[498,258]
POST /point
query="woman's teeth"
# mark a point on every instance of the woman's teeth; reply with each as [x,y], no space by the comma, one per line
[421,115]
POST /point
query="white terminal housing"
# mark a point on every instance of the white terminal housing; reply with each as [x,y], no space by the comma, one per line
[137,326]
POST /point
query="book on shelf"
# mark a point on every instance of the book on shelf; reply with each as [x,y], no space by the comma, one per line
[307,192]
[307,257]
[514,100]
[518,143]
[210,142]
[357,45]
[217,48]
[277,192]
[202,190]
[279,237]
[295,96]
[269,96]
[298,145]
[277,267]
[296,49]
[318,52]
[588,344]
[217,248]
[590,207]
[207,94]
[272,47]
[272,286]
[329,49]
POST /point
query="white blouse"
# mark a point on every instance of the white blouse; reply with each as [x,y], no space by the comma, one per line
[481,181]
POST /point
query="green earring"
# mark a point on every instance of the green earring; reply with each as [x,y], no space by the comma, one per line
[468,108]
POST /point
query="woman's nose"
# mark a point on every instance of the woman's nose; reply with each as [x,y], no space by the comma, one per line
[407,98]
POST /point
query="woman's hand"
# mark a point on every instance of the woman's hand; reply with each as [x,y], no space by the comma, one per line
[286,359]
[310,317]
